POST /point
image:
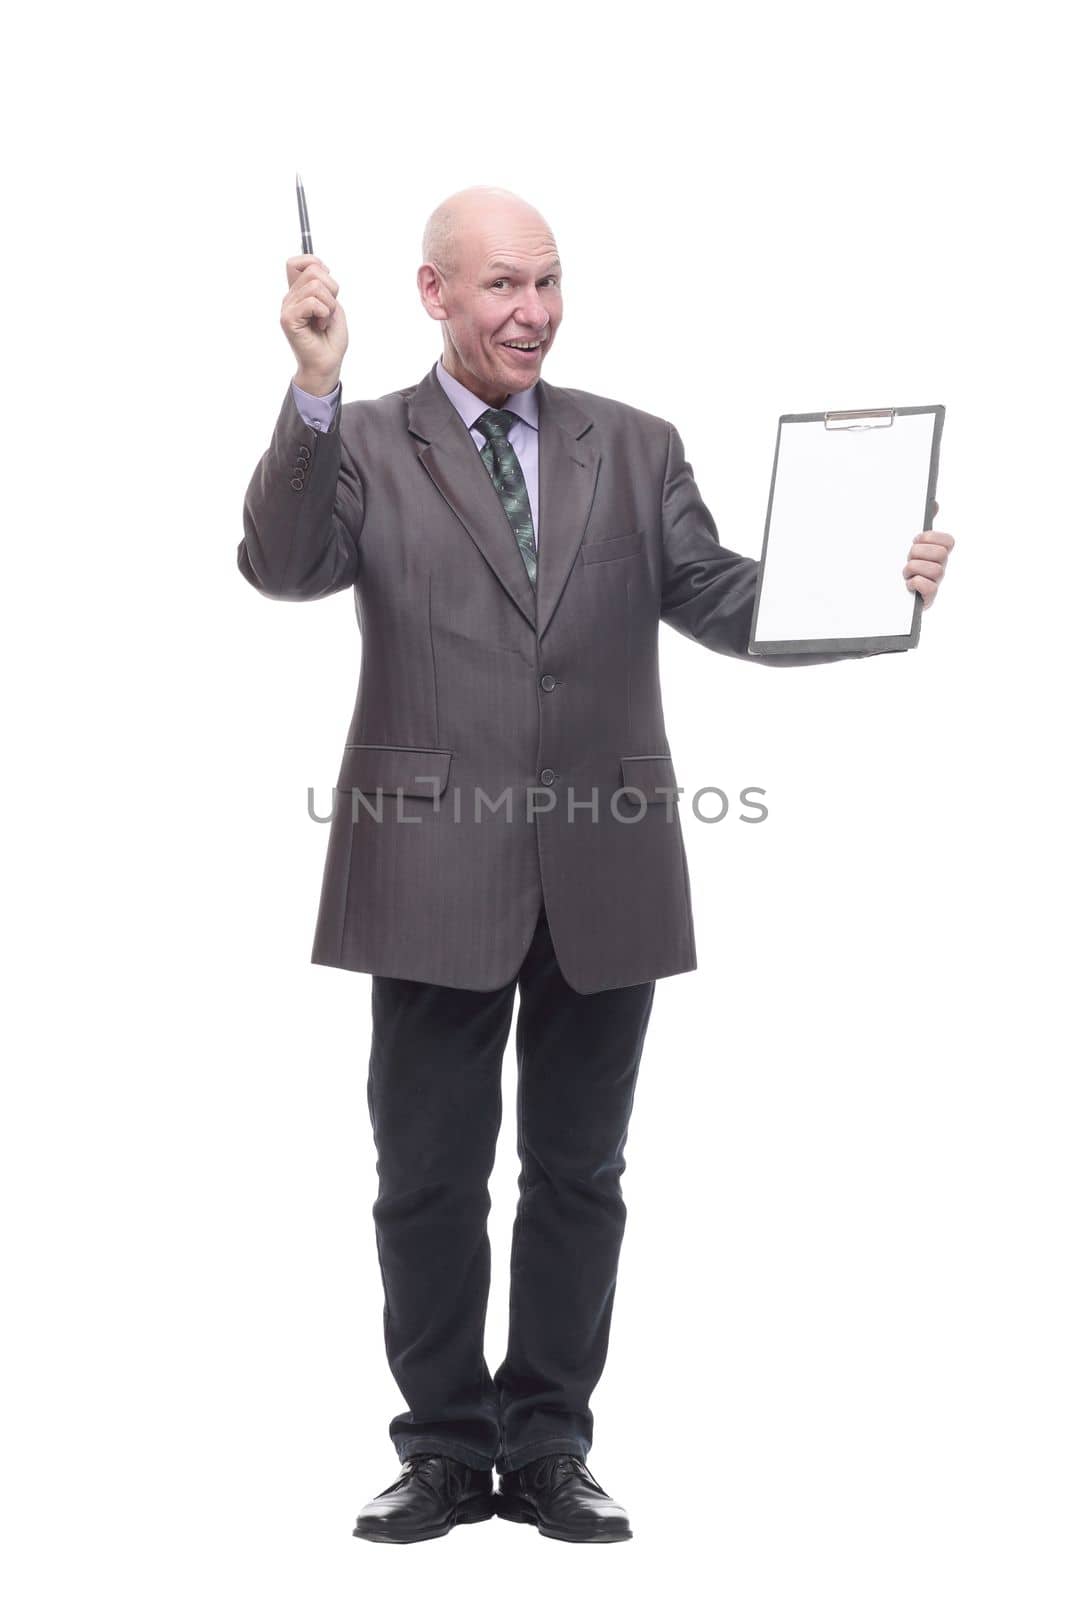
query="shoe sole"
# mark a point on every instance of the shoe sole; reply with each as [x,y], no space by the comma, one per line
[512,1509]
[476,1511]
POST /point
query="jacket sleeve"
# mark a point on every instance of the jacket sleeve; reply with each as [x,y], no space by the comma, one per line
[303,511]
[708,592]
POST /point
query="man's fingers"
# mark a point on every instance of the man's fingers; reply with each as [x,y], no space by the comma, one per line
[925,569]
[926,550]
[314,274]
[311,299]
[925,566]
[313,307]
[935,536]
[295,265]
[924,586]
[316,290]
[312,278]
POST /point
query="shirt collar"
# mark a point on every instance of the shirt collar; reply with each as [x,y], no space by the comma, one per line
[470,406]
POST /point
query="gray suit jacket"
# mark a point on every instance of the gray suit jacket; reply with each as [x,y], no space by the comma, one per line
[505,745]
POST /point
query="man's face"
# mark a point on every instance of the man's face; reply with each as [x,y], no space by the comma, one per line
[504,293]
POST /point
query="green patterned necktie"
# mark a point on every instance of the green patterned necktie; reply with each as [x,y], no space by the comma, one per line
[508,481]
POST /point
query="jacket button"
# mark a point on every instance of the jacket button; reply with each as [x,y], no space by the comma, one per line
[547,775]
[296,483]
[548,681]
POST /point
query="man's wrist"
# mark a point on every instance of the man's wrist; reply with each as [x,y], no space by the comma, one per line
[312,384]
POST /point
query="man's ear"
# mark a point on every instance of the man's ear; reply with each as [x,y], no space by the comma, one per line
[429,280]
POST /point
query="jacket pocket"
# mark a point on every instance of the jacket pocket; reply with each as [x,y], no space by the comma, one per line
[651,776]
[390,768]
[625,544]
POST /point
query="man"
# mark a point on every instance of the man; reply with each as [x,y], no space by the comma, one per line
[503,819]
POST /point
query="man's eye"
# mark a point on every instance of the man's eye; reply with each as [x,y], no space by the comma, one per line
[497,281]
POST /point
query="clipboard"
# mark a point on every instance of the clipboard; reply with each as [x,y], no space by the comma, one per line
[854,488]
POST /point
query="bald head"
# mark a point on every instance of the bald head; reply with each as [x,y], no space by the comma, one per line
[490,275]
[460,223]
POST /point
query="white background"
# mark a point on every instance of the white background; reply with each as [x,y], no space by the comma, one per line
[836,1364]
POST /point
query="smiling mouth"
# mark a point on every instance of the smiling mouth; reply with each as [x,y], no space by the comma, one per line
[524,347]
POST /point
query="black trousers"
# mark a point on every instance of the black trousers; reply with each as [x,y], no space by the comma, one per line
[434,1093]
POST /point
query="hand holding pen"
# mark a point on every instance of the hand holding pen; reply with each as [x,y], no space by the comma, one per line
[312,317]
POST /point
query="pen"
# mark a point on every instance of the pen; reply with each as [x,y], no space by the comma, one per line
[305,227]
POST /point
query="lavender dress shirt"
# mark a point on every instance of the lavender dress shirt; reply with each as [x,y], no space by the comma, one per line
[317,411]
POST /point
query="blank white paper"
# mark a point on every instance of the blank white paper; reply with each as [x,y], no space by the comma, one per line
[847,505]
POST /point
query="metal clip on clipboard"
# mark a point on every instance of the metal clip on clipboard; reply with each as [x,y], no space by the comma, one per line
[834,420]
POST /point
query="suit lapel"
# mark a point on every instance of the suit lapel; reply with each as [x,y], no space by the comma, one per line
[568,466]
[567,475]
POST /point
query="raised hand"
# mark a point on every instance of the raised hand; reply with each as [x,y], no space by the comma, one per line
[314,322]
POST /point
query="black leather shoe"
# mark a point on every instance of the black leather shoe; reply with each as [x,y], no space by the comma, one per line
[430,1496]
[560,1495]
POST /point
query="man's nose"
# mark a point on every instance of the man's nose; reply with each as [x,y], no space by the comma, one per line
[530,312]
